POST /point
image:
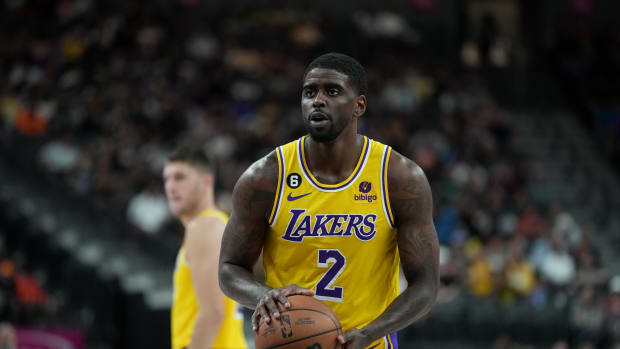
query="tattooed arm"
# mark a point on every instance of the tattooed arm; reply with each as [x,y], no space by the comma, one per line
[243,240]
[411,202]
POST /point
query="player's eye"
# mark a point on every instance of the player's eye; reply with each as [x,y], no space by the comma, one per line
[333,91]
[309,93]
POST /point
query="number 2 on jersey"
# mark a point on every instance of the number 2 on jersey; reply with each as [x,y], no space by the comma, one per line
[324,288]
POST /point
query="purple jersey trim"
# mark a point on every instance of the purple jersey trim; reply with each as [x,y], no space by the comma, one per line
[394,338]
[384,188]
[281,184]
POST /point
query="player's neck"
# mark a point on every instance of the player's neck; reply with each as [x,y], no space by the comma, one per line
[206,204]
[333,162]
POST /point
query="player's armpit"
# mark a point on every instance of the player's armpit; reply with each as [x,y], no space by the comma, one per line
[244,236]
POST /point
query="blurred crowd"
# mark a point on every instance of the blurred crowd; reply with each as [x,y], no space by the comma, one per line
[107,89]
[23,300]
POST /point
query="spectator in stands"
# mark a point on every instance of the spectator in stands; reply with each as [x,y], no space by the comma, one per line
[558,266]
[531,223]
[479,278]
[520,276]
[587,317]
[7,288]
[29,123]
[148,209]
[613,311]
[590,271]
[564,229]
[60,155]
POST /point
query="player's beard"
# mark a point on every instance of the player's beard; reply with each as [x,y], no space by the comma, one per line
[180,209]
[329,134]
[188,206]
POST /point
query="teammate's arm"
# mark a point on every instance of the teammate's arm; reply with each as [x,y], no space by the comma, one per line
[411,202]
[202,242]
[243,240]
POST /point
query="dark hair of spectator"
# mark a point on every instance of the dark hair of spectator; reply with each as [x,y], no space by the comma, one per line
[344,64]
[194,156]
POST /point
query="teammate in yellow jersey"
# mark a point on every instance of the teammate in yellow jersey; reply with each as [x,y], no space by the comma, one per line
[202,317]
[334,213]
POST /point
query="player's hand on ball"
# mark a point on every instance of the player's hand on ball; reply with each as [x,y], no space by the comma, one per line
[273,301]
[354,339]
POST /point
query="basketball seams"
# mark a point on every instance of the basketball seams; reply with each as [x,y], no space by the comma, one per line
[318,311]
[303,339]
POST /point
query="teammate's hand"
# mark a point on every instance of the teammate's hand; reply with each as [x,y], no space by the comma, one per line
[354,339]
[273,301]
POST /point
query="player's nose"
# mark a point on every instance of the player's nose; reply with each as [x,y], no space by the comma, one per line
[319,100]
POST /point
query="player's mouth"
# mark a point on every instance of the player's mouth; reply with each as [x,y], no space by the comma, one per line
[318,119]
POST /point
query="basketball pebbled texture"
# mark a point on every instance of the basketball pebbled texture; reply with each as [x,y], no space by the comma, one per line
[307,324]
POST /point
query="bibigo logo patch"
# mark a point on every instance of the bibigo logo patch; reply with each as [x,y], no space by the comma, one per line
[364,194]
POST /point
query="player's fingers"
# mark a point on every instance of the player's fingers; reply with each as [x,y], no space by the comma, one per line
[282,301]
[255,320]
[264,313]
[306,292]
[272,308]
[341,339]
[303,291]
[348,336]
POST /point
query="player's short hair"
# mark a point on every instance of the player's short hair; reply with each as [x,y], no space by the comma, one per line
[344,64]
[195,156]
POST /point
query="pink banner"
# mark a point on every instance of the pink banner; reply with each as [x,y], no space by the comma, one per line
[38,338]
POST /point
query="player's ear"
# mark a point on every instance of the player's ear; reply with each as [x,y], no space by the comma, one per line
[360,106]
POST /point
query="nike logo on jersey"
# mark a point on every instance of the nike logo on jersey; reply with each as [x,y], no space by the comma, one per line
[293,198]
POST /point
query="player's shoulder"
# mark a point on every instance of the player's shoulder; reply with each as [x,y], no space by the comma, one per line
[401,169]
[206,223]
[263,168]
[261,175]
[211,216]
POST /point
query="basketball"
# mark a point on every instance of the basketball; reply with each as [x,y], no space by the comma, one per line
[307,324]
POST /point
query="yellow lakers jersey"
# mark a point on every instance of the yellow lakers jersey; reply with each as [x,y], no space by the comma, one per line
[336,239]
[185,307]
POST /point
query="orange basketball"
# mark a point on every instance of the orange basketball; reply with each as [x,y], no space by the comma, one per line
[307,324]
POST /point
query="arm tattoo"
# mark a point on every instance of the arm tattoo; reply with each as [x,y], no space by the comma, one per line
[417,238]
[244,235]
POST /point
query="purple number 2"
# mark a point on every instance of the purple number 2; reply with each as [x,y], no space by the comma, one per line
[324,288]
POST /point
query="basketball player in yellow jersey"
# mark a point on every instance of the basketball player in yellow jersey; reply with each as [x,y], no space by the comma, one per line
[334,213]
[202,317]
